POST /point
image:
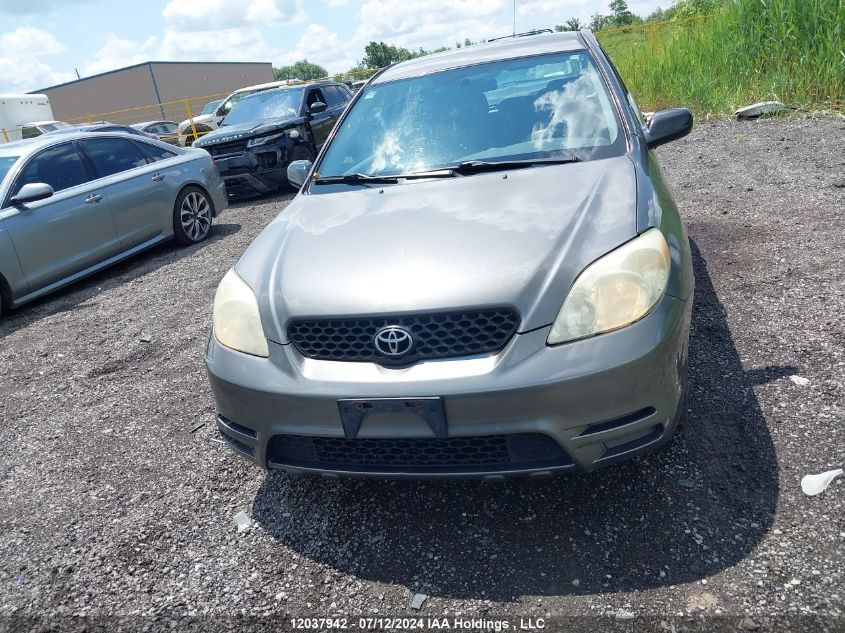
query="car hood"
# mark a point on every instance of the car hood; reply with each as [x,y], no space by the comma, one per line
[199,119]
[517,238]
[228,133]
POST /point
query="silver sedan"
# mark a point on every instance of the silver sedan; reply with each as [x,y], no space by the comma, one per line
[71,205]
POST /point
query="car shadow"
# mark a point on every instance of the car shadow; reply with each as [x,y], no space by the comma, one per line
[77,295]
[260,198]
[685,513]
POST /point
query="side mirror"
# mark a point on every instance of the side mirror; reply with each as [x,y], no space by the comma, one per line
[317,107]
[298,172]
[32,192]
[667,125]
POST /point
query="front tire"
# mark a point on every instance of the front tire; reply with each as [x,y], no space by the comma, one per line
[193,215]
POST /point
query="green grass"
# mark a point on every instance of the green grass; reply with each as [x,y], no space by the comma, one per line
[752,50]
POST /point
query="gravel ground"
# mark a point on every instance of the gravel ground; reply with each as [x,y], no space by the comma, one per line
[117,503]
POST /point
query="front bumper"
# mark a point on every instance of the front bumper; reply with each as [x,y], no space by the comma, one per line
[529,410]
[256,171]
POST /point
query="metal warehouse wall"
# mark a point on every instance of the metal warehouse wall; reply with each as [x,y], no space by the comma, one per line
[150,83]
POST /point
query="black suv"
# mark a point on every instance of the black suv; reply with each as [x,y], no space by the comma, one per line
[265,131]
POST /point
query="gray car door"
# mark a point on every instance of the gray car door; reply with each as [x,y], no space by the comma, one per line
[68,232]
[140,191]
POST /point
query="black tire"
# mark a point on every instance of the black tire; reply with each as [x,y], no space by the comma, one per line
[300,152]
[193,215]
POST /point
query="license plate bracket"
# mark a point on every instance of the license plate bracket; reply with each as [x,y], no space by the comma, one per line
[353,410]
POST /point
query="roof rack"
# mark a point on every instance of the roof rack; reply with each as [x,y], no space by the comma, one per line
[526,34]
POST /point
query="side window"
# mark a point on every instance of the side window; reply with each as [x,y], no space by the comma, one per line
[113,155]
[336,96]
[155,152]
[30,132]
[314,96]
[169,128]
[61,167]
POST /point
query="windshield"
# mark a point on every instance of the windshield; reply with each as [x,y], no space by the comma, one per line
[265,105]
[210,107]
[6,163]
[51,127]
[545,106]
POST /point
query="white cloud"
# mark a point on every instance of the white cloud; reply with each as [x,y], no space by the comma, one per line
[118,52]
[320,46]
[430,23]
[220,15]
[21,66]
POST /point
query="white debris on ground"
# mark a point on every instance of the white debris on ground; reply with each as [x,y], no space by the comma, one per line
[817,484]
[242,521]
[417,600]
[799,380]
[762,108]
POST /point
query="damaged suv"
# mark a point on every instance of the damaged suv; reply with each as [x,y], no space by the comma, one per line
[264,132]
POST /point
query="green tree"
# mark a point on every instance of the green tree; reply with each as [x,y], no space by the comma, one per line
[689,8]
[572,24]
[303,69]
[599,22]
[621,15]
[381,54]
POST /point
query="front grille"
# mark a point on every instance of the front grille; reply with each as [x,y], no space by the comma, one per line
[418,454]
[224,149]
[442,335]
[239,187]
[267,160]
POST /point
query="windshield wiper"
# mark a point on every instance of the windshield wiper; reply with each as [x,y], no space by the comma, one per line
[474,166]
[356,178]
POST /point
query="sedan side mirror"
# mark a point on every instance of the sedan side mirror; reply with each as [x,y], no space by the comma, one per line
[317,107]
[32,192]
[298,172]
[667,125]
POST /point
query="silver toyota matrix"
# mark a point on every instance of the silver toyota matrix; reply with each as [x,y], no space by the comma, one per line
[482,275]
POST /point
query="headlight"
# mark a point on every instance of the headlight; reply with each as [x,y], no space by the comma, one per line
[237,323]
[263,140]
[616,290]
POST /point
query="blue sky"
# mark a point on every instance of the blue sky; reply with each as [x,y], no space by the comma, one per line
[42,42]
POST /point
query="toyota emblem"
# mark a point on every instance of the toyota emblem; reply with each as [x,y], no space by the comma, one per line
[393,341]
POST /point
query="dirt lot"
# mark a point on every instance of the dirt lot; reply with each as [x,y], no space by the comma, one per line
[117,503]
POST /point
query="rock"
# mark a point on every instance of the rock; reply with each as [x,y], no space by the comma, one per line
[145,337]
[748,624]
[799,380]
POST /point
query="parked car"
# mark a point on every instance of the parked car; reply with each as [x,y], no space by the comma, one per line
[102,126]
[71,205]
[37,128]
[266,131]
[208,121]
[167,131]
[484,274]
[211,106]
